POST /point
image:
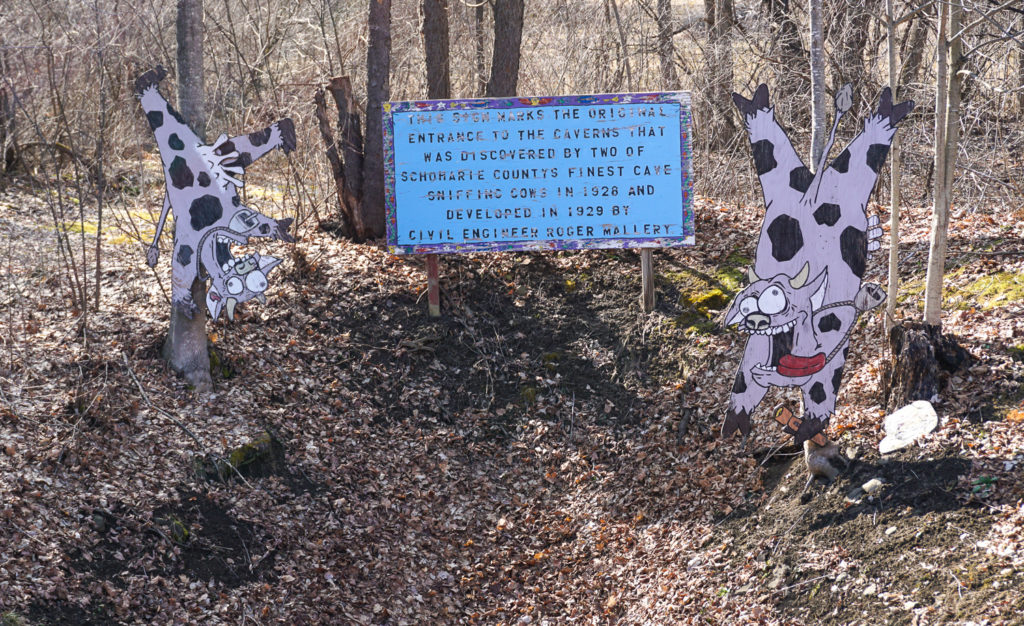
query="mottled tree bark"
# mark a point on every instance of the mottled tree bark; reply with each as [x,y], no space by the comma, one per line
[508,39]
[378,91]
[185,348]
[818,129]
[666,48]
[434,29]
[190,64]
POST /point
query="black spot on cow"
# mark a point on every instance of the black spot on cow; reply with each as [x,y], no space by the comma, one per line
[175,142]
[837,377]
[236,201]
[205,212]
[225,148]
[786,237]
[842,162]
[260,137]
[876,156]
[853,246]
[817,393]
[155,119]
[740,385]
[181,175]
[800,178]
[764,156]
[264,229]
[244,160]
[846,352]
[827,214]
[203,179]
[184,255]
[829,323]
[177,116]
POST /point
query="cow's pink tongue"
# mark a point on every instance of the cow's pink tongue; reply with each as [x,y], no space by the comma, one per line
[790,365]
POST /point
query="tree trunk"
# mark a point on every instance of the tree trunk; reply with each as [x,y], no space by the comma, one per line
[185,348]
[818,129]
[851,30]
[435,48]
[190,64]
[894,182]
[921,362]
[913,57]
[480,40]
[1020,76]
[947,125]
[508,39]
[350,134]
[378,90]
[666,48]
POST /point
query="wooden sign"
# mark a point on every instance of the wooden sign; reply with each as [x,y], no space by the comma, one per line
[558,173]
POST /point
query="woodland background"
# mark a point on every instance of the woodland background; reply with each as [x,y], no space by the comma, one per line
[520,459]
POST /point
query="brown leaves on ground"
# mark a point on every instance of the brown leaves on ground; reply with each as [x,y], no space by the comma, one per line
[516,461]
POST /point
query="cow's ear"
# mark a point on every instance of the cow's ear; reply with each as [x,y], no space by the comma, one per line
[818,286]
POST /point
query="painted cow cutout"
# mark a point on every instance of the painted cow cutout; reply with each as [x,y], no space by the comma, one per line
[202,191]
[806,288]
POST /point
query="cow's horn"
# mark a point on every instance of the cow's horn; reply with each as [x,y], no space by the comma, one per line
[751,276]
[798,281]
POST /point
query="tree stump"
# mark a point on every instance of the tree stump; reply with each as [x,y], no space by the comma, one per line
[920,363]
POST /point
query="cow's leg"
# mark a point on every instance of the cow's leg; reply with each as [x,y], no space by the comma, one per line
[819,393]
[746,394]
[779,168]
[280,134]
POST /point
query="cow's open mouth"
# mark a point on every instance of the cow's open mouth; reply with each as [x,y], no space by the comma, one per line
[788,364]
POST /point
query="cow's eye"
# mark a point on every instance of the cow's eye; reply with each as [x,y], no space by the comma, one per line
[748,305]
[772,300]
[234,285]
[256,281]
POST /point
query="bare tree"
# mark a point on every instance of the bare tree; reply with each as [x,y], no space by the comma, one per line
[818,129]
[378,91]
[185,348]
[435,48]
[666,49]
[508,39]
[947,134]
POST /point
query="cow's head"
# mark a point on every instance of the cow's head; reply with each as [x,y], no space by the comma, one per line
[778,312]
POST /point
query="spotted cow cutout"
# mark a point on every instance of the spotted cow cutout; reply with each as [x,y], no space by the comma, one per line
[202,191]
[805,290]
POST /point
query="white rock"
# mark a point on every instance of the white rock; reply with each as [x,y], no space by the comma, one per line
[872,486]
[907,425]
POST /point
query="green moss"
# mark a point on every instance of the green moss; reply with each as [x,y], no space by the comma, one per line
[179,531]
[570,285]
[550,360]
[528,395]
[11,618]
[248,453]
[713,300]
[1017,352]
[989,292]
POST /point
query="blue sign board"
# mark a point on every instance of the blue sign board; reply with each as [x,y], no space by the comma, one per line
[608,171]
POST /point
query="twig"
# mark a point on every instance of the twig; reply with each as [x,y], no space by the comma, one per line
[178,423]
[801,583]
[959,585]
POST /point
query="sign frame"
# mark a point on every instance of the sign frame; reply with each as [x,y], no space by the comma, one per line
[680,98]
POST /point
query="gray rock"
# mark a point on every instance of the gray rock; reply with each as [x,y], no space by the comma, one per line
[907,425]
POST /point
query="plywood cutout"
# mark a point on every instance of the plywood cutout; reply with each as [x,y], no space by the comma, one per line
[806,287]
[202,191]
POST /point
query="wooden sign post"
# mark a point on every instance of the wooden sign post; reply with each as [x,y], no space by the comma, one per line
[559,173]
